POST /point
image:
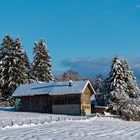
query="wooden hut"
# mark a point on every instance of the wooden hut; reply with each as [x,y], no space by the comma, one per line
[55,97]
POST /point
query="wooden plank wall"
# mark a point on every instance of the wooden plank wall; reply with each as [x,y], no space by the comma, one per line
[39,103]
[69,109]
[44,103]
[66,99]
[85,101]
[69,104]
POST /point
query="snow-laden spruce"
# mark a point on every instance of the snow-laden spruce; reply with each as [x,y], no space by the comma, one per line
[99,86]
[14,65]
[116,85]
[122,91]
[41,66]
[130,79]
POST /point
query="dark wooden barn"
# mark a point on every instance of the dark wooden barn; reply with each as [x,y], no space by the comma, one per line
[55,97]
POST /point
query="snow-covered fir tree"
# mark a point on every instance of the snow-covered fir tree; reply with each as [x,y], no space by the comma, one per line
[130,79]
[98,83]
[41,66]
[99,88]
[115,84]
[14,66]
[119,100]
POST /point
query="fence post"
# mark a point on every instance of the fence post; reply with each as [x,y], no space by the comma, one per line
[12,122]
[51,118]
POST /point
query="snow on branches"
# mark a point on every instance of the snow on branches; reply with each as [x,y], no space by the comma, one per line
[122,90]
[14,65]
[41,66]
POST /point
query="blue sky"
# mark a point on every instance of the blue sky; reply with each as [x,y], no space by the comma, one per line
[78,33]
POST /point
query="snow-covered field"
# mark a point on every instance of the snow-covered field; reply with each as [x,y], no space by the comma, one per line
[40,129]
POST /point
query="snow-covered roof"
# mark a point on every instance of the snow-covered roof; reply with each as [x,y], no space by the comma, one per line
[52,88]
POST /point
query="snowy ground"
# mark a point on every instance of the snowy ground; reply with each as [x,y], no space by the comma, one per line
[91,129]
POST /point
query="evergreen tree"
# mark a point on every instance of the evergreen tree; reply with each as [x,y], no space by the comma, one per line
[99,88]
[41,66]
[119,100]
[130,79]
[115,84]
[116,79]
[14,66]
[98,84]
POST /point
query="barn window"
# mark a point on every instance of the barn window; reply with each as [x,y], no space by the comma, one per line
[66,99]
[17,101]
[73,99]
